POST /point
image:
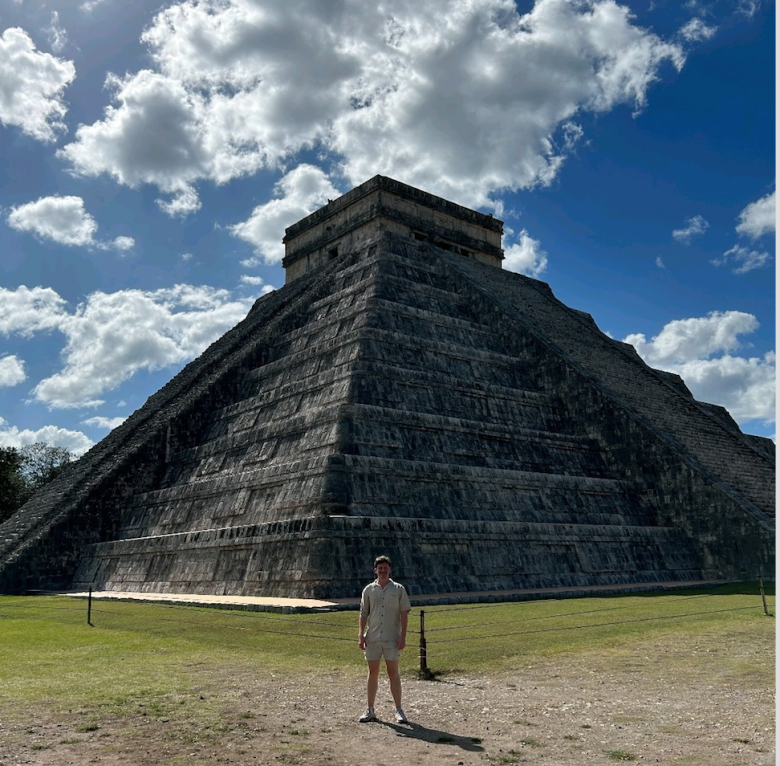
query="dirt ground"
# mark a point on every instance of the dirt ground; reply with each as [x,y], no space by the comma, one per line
[706,705]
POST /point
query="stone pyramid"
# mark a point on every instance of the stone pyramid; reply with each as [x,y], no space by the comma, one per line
[403,394]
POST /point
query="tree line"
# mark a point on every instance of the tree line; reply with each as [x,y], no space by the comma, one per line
[25,470]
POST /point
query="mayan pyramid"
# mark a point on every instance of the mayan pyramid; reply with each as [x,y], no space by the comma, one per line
[403,394]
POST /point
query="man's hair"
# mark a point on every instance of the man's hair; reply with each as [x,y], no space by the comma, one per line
[382,560]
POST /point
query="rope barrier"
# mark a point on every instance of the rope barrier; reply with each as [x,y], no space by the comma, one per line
[595,625]
[471,607]
[239,627]
[553,616]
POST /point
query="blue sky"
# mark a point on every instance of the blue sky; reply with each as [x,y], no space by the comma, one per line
[152,153]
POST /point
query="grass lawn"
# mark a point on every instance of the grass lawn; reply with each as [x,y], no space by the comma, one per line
[49,654]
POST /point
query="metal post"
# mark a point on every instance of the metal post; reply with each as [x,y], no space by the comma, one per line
[423,649]
[89,607]
[763,595]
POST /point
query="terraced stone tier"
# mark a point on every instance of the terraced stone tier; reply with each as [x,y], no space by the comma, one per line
[316,556]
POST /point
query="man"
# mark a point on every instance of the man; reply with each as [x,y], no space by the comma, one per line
[384,616]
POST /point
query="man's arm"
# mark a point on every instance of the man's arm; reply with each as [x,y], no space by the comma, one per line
[362,632]
[404,625]
[365,610]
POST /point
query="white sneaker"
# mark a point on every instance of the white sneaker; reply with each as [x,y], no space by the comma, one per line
[367,716]
[400,717]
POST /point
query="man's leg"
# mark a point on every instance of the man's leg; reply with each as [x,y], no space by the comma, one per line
[372,683]
[395,681]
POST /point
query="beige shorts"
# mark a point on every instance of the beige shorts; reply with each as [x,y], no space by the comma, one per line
[376,649]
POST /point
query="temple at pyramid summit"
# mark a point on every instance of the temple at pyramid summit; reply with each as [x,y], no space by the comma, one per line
[403,394]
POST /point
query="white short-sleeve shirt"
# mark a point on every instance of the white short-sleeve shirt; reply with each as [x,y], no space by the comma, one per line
[382,609]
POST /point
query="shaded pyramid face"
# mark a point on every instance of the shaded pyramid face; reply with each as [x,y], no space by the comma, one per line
[402,399]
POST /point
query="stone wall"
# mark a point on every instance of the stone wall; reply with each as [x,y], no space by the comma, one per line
[384,205]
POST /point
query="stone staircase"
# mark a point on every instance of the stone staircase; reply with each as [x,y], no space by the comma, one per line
[723,452]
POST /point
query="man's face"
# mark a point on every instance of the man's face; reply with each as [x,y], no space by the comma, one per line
[382,571]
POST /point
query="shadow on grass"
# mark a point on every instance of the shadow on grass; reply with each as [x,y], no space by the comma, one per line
[435,736]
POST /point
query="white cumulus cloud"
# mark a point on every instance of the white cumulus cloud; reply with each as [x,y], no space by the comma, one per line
[745,386]
[90,5]
[249,280]
[758,218]
[74,441]
[63,220]
[462,97]
[111,337]
[702,350]
[155,135]
[12,370]
[696,30]
[26,311]
[693,227]
[748,7]
[184,202]
[123,244]
[300,192]
[743,259]
[525,256]
[31,86]
[58,37]
[101,422]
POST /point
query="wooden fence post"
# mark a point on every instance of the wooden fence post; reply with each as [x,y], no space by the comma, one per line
[763,595]
[89,607]
[423,647]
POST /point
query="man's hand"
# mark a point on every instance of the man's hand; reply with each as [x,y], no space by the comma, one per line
[401,642]
[362,643]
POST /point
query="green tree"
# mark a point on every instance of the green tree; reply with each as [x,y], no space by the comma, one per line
[14,489]
[43,462]
[23,471]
